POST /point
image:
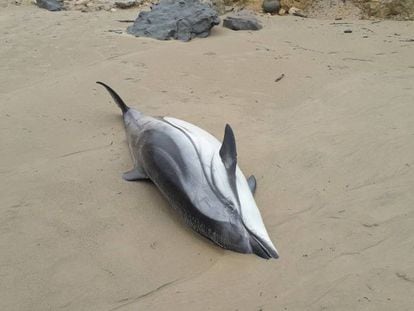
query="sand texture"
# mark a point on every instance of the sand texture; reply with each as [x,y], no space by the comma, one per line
[331,145]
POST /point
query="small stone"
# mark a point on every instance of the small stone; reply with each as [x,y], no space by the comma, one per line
[125,4]
[282,12]
[242,20]
[50,5]
[271,6]
[113,10]
[296,12]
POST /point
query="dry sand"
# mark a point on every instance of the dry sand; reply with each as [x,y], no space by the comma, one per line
[331,144]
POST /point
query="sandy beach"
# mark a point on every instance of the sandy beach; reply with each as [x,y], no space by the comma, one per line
[331,145]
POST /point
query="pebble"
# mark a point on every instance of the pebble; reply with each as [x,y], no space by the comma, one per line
[296,12]
[271,6]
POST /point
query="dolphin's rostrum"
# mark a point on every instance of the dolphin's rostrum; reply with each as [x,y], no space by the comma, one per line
[200,178]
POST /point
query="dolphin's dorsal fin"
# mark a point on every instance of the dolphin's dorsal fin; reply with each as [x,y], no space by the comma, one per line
[228,151]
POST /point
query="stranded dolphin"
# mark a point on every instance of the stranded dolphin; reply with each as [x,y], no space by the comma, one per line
[200,178]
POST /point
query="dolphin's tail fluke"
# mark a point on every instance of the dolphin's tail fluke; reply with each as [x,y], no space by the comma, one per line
[118,100]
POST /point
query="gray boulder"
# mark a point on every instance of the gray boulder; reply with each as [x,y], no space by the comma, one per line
[181,20]
[242,20]
[51,5]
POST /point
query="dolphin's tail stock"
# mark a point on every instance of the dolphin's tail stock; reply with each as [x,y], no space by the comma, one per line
[118,100]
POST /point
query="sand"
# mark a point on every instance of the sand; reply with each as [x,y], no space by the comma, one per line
[331,145]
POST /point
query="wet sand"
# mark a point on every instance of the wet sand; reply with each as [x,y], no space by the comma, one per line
[331,145]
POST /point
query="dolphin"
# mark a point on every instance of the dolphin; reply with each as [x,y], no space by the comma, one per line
[200,178]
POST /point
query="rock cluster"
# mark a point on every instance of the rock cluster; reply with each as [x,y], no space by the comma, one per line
[395,9]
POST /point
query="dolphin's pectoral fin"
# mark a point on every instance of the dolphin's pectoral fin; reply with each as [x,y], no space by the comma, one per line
[251,181]
[134,174]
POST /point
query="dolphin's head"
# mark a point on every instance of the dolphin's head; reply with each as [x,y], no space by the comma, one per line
[233,186]
[259,238]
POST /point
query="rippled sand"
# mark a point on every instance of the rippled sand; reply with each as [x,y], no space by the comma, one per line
[331,145]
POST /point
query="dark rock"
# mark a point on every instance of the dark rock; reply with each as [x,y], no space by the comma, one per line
[51,5]
[271,6]
[126,4]
[242,21]
[182,20]
[347,31]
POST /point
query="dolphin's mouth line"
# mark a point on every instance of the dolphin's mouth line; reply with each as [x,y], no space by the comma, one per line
[262,245]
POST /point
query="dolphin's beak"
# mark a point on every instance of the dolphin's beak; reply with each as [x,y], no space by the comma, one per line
[262,248]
